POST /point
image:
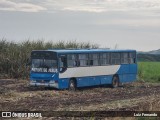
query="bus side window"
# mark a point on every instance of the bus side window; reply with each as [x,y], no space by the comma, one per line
[94,59]
[104,58]
[115,58]
[132,58]
[83,59]
[72,60]
[124,58]
[77,63]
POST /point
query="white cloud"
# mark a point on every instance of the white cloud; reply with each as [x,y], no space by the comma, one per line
[102,5]
[7,5]
[79,5]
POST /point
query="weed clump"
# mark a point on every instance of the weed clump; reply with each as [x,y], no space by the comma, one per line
[13,56]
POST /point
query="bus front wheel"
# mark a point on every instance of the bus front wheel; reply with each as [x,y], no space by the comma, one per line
[115,82]
[72,85]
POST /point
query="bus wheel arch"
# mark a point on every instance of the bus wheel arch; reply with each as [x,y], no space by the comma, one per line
[72,84]
[115,81]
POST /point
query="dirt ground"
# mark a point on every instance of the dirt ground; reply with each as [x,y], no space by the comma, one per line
[16,95]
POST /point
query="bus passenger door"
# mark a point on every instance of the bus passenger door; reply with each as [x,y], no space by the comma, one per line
[62,63]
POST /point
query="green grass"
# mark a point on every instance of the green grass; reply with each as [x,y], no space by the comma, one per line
[149,71]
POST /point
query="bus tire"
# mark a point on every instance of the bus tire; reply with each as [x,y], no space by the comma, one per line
[72,85]
[115,81]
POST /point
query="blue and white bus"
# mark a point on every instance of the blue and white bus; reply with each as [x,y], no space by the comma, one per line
[71,68]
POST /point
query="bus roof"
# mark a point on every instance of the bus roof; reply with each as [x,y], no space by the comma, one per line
[88,50]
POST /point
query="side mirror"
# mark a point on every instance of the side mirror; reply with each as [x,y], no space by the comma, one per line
[28,62]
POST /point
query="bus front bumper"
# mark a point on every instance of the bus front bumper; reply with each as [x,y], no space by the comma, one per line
[45,84]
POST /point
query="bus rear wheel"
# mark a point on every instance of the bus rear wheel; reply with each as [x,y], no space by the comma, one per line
[72,85]
[115,82]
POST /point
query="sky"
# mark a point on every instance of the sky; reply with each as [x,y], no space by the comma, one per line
[126,24]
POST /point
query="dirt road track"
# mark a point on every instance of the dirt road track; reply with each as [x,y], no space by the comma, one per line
[16,95]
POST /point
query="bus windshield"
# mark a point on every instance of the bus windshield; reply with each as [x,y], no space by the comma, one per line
[44,65]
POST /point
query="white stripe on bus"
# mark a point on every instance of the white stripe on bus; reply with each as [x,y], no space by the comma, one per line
[89,71]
